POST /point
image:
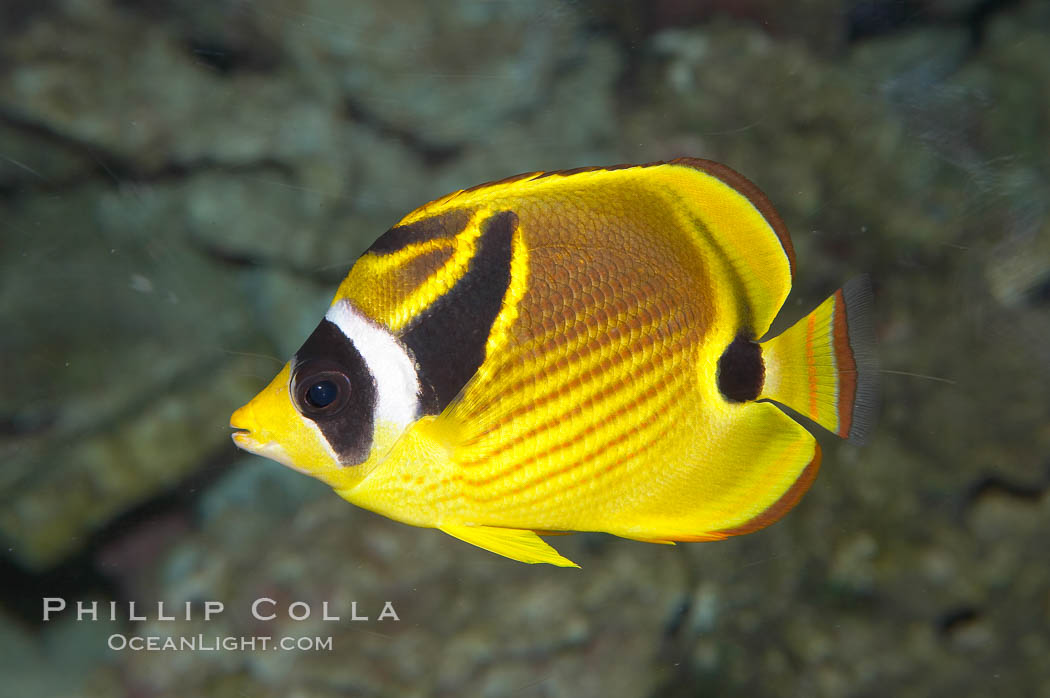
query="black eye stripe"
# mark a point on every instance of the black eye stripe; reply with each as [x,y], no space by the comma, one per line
[347,423]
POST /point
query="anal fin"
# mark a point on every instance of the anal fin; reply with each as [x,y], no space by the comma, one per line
[515,543]
[660,541]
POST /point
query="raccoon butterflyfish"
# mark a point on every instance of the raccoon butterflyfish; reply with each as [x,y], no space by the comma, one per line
[574,351]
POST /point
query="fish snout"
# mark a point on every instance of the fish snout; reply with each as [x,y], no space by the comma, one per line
[244,422]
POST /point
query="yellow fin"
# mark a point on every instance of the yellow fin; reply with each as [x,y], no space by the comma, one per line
[658,541]
[515,543]
[823,366]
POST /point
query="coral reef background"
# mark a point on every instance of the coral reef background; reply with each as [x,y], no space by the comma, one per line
[183,184]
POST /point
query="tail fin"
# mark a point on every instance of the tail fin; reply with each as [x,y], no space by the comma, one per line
[824,366]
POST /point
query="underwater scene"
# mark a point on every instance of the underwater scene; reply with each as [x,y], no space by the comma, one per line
[836,258]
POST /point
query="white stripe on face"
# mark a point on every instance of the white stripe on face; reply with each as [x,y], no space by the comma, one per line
[394,371]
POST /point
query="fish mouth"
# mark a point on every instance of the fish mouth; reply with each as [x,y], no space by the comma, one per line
[246,439]
[242,436]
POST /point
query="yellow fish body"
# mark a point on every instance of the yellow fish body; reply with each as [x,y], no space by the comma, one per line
[573,351]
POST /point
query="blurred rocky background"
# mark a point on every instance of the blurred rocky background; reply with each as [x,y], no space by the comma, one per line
[183,184]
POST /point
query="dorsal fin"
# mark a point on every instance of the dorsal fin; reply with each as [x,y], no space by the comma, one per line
[755,195]
[731,217]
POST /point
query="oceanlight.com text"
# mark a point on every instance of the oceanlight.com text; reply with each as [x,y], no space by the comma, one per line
[217,643]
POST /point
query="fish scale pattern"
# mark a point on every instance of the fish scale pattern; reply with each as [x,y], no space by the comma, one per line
[590,393]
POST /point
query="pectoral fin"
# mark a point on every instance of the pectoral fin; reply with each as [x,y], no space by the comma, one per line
[515,543]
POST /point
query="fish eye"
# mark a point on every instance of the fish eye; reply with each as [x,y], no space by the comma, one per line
[322,393]
[320,390]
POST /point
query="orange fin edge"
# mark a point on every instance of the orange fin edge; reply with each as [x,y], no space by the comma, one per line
[782,506]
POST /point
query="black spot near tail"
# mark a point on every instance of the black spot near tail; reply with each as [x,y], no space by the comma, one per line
[741,372]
